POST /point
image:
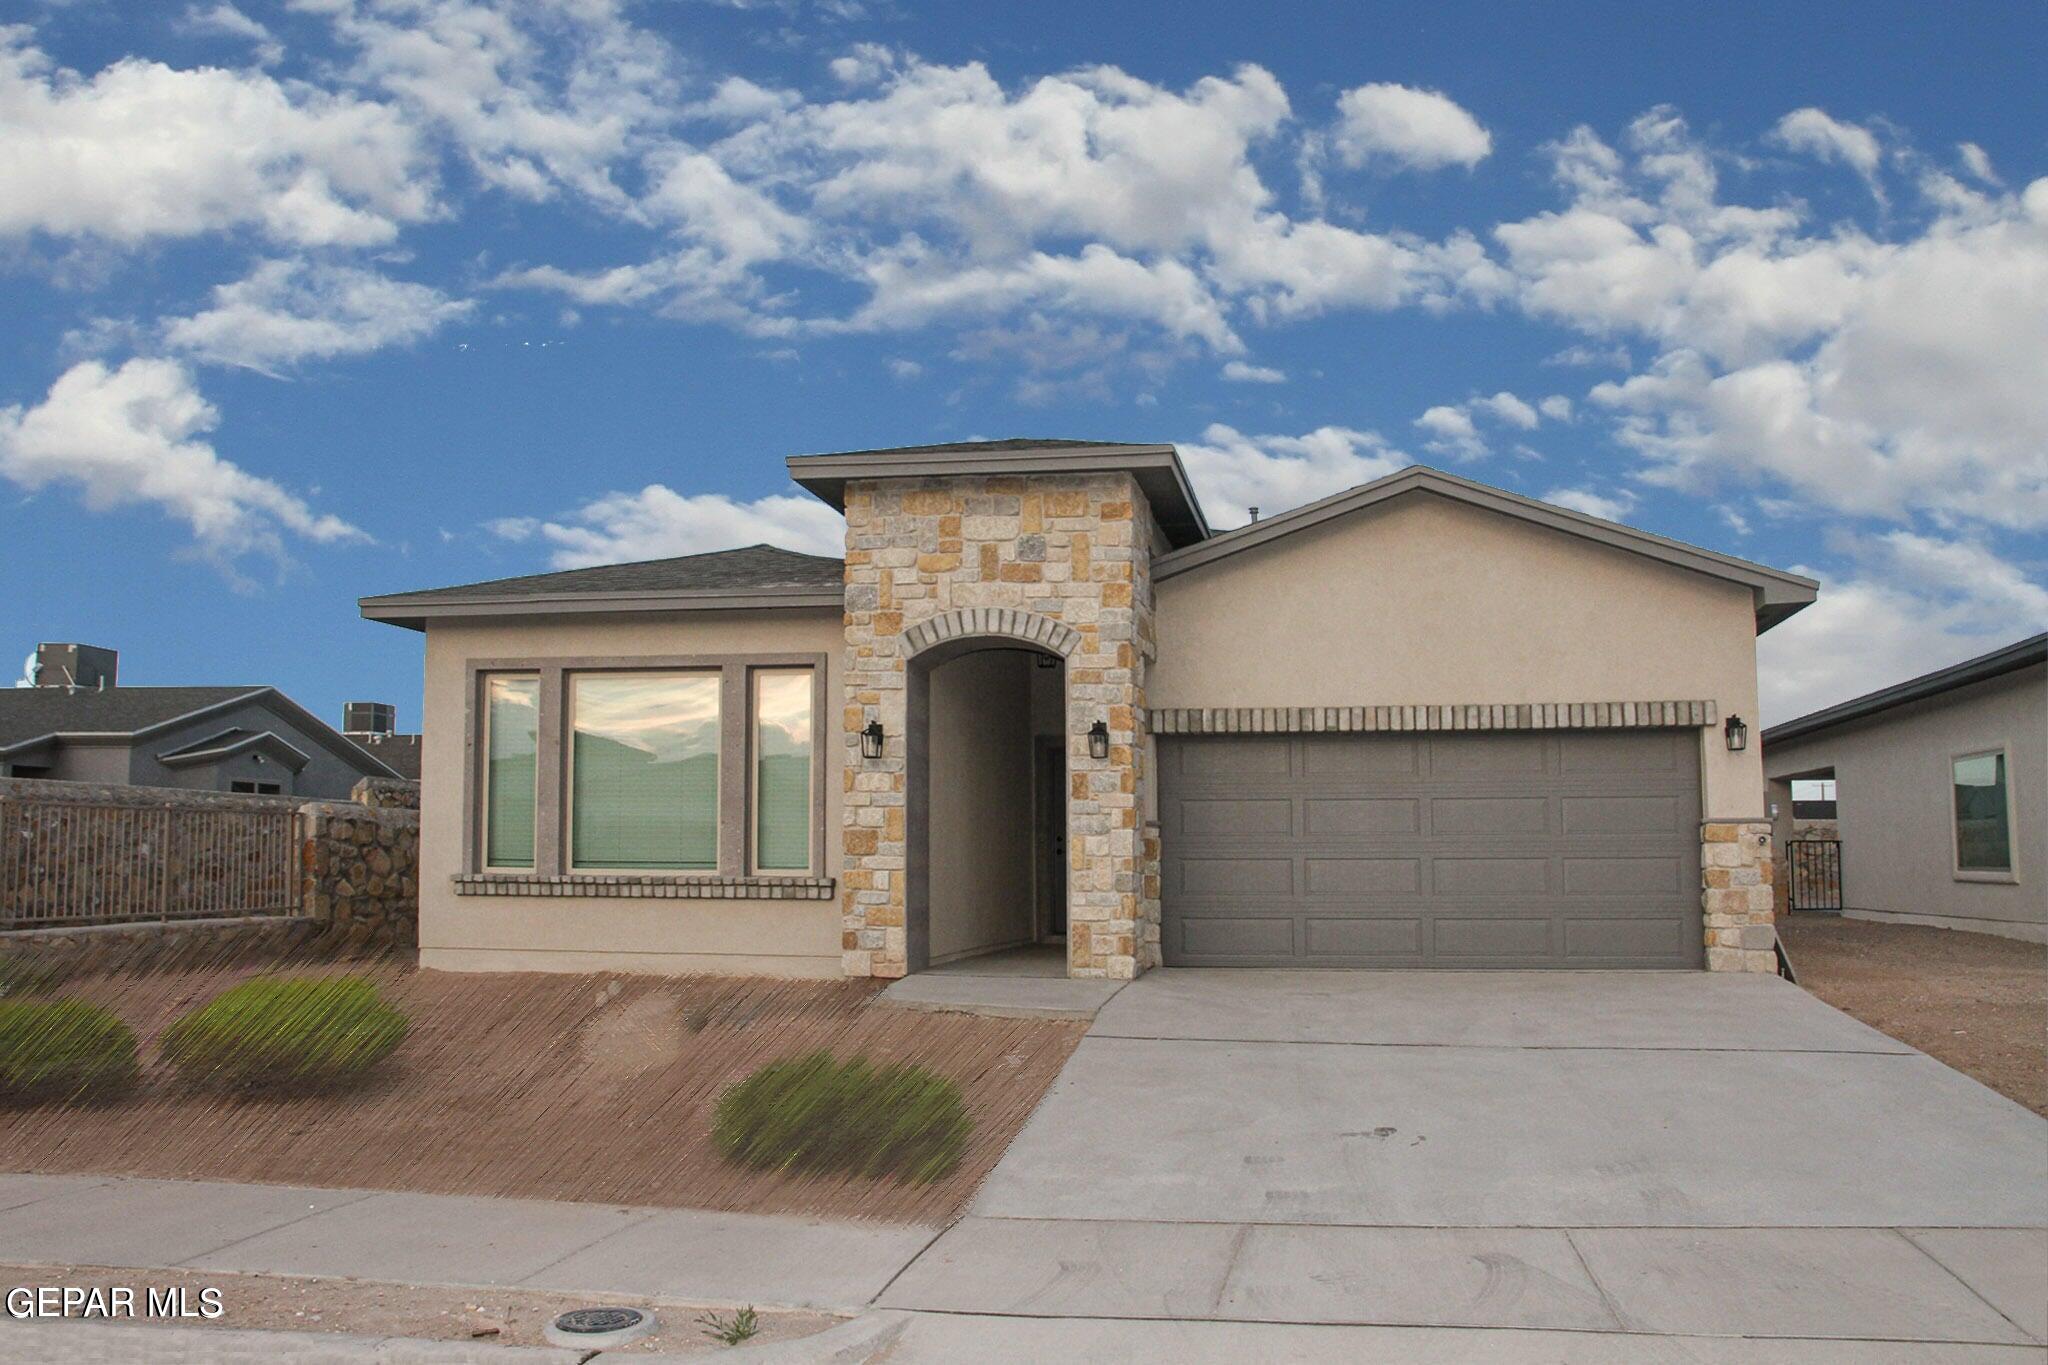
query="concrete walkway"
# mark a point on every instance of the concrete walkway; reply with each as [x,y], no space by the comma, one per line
[679,1254]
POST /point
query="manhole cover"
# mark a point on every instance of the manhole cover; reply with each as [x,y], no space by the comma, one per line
[599,1326]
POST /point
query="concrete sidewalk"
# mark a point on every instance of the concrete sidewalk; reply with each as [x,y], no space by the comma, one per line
[676,1254]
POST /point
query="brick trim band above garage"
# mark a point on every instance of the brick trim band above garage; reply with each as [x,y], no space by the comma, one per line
[1561,715]
[648,888]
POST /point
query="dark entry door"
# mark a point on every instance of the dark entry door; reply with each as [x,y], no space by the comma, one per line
[1049,808]
[1563,849]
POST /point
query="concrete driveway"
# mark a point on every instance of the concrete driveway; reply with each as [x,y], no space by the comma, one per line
[1619,1155]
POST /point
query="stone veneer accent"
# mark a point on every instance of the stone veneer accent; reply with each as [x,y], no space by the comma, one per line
[1062,561]
[625,887]
[1737,870]
[1559,715]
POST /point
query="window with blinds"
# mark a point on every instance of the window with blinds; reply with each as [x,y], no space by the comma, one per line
[781,746]
[511,741]
[643,780]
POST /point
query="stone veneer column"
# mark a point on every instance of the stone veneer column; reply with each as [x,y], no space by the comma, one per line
[1072,548]
[1741,915]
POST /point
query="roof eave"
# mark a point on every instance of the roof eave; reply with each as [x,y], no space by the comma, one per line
[2027,653]
[412,613]
[1157,469]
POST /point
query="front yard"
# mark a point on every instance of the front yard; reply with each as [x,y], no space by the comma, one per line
[1974,1001]
[592,1088]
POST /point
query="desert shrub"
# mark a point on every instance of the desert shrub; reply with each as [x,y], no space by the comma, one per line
[814,1113]
[285,1031]
[63,1049]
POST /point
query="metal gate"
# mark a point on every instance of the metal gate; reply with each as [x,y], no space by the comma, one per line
[1814,875]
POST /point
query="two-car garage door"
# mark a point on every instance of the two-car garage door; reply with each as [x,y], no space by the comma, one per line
[1566,849]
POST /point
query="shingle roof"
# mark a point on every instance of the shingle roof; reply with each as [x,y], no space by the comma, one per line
[756,566]
[32,712]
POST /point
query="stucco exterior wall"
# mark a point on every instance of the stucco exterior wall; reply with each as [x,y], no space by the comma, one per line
[605,933]
[981,880]
[1428,601]
[1895,804]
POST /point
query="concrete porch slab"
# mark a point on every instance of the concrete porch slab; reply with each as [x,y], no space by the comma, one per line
[1007,996]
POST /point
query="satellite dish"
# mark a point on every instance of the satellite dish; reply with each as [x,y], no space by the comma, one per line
[31,669]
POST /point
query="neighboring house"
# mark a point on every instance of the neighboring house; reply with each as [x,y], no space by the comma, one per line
[374,726]
[230,739]
[1941,785]
[1425,723]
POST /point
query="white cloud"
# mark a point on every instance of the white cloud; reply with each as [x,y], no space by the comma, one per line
[1509,409]
[135,435]
[1420,129]
[1817,134]
[1977,162]
[1452,432]
[1606,506]
[657,523]
[287,311]
[905,369]
[1238,372]
[1233,472]
[1907,605]
[141,150]
[1556,407]
[225,19]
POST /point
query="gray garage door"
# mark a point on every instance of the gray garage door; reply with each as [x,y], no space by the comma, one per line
[1558,849]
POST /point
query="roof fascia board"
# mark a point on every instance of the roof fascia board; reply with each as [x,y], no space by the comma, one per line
[403,610]
[2021,654]
[1772,588]
[288,753]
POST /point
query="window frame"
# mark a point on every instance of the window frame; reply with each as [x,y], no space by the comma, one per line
[2010,875]
[814,844]
[551,806]
[567,738]
[478,840]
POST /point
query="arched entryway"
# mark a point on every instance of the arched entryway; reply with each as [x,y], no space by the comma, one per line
[985,788]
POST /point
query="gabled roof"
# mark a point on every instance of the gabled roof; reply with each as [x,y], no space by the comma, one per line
[2009,659]
[756,576]
[1777,594]
[35,716]
[235,740]
[1156,468]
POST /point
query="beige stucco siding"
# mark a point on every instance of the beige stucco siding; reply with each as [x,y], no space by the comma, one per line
[1425,601]
[1895,805]
[516,933]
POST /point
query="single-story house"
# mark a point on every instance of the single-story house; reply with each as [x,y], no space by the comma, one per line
[1423,723]
[228,739]
[1940,787]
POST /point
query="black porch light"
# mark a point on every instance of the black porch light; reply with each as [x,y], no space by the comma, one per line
[871,740]
[1738,734]
[1098,740]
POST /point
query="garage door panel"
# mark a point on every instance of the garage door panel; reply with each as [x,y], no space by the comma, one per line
[1595,876]
[1362,876]
[1383,815]
[1489,815]
[1561,849]
[1328,939]
[1497,938]
[1272,815]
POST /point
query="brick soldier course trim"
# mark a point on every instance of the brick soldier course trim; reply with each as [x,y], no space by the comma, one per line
[1560,715]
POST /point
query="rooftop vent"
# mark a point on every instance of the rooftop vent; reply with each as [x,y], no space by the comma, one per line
[369,718]
[70,665]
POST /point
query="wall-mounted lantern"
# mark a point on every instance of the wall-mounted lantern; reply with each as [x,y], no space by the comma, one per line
[871,740]
[1098,740]
[1738,734]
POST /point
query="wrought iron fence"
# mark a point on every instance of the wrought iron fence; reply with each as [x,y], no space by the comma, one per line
[66,863]
[1814,875]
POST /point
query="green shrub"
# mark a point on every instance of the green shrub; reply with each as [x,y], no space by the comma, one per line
[63,1049]
[291,1031]
[813,1113]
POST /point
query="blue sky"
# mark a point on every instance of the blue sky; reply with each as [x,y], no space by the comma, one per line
[350,296]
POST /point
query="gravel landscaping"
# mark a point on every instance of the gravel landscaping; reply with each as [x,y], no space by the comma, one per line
[591,1088]
[1975,1001]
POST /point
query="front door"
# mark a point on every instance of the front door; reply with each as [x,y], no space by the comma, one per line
[1049,806]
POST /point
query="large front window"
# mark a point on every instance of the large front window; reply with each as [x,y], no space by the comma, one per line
[782,769]
[1983,814]
[644,771]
